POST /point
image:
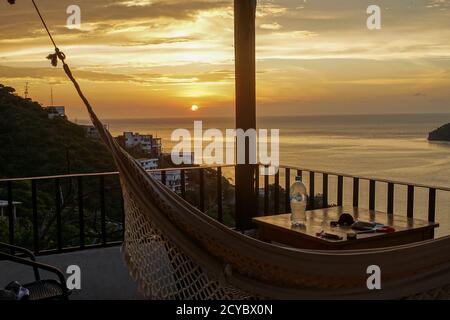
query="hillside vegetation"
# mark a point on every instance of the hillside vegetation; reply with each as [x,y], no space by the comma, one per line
[31,144]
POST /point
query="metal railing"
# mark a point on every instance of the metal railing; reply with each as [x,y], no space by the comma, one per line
[312,176]
[90,196]
[80,196]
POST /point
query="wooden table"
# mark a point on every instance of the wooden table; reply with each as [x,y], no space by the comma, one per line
[278,229]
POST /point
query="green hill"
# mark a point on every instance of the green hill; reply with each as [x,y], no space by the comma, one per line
[31,144]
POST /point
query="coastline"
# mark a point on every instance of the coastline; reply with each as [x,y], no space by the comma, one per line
[440,142]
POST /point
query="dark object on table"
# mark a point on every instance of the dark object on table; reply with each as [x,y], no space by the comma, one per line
[39,289]
[369,227]
[345,220]
[378,228]
[352,236]
[329,236]
[363,226]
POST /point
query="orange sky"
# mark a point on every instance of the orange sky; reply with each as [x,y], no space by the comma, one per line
[156,58]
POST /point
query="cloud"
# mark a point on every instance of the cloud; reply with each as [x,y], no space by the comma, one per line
[57,73]
[271,26]
[440,4]
[97,76]
[184,49]
[105,15]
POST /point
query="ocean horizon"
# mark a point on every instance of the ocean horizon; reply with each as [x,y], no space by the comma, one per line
[391,147]
[386,146]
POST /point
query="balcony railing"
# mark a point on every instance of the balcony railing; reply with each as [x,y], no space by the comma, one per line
[356,188]
[81,211]
[393,197]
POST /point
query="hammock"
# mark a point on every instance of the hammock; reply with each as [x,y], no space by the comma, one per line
[175,251]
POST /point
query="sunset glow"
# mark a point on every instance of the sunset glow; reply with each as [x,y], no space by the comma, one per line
[146,59]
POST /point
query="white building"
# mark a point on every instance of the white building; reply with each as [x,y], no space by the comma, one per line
[147,143]
[173,179]
[56,112]
[148,164]
[92,132]
[4,207]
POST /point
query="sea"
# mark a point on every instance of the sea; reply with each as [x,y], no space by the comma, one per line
[390,147]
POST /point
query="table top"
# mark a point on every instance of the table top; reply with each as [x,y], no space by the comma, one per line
[320,220]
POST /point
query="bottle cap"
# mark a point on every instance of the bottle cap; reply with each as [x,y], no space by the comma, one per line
[298,178]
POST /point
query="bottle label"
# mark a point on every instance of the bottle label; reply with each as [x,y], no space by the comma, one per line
[298,197]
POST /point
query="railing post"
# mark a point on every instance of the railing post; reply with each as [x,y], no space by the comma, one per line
[103,209]
[325,189]
[287,185]
[276,196]
[219,195]
[164,177]
[372,186]
[202,190]
[410,208]
[356,192]
[340,191]
[432,206]
[35,217]
[257,189]
[266,194]
[390,198]
[183,184]
[81,211]
[312,191]
[10,213]
[58,215]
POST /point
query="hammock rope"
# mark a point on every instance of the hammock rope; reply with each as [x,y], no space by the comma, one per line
[174,251]
[62,57]
[44,23]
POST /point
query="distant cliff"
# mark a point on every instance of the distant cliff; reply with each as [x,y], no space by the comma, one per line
[440,134]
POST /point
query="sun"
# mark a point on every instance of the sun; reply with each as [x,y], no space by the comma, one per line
[194,107]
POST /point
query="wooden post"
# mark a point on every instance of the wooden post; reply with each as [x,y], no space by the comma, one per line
[245,64]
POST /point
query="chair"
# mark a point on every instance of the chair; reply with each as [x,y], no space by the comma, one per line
[39,289]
